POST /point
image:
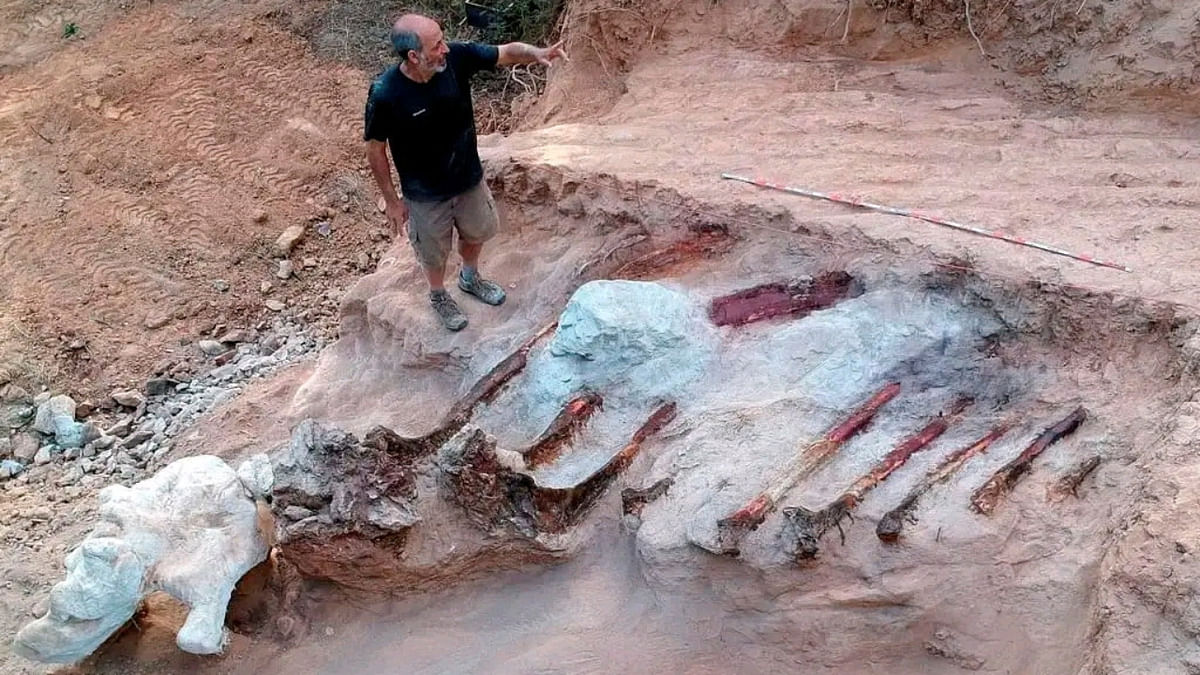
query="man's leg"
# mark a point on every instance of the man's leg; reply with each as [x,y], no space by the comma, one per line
[431,233]
[477,221]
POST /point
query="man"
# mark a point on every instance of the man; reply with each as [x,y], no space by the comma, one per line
[421,108]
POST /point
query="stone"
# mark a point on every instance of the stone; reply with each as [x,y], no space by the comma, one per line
[16,415]
[43,456]
[308,263]
[237,335]
[160,386]
[91,432]
[156,535]
[56,417]
[10,468]
[71,476]
[84,410]
[25,446]
[643,338]
[275,305]
[265,287]
[296,514]
[11,393]
[211,347]
[270,345]
[5,446]
[156,320]
[104,442]
[287,240]
[72,453]
[128,398]
[121,428]
[137,438]
[363,261]
[285,270]
[51,411]
[258,215]
[221,285]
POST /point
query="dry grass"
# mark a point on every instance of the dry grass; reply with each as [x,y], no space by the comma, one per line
[356,32]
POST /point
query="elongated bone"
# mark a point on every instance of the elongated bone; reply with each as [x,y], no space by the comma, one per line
[889,527]
[731,529]
[561,430]
[796,298]
[484,391]
[678,256]
[1068,484]
[990,493]
[558,508]
[496,496]
[807,527]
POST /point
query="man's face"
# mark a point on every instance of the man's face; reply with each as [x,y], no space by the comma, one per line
[433,50]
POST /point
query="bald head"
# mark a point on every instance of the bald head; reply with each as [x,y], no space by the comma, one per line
[419,43]
[410,32]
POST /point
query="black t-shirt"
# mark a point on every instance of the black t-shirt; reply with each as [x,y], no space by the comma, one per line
[430,126]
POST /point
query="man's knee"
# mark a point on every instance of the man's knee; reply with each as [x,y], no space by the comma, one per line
[431,232]
[476,216]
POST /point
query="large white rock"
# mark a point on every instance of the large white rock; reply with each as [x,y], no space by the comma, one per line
[191,530]
[635,339]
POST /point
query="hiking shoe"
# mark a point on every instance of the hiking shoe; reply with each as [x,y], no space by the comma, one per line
[447,310]
[485,290]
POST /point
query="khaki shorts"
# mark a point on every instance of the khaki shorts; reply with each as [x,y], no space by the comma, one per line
[431,225]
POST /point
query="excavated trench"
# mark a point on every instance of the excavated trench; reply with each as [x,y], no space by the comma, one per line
[563,515]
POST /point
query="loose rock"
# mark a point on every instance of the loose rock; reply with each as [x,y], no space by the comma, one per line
[237,335]
[43,455]
[275,305]
[160,386]
[156,321]
[285,270]
[128,398]
[25,447]
[211,347]
[137,438]
[10,468]
[53,409]
[265,287]
[221,285]
[288,240]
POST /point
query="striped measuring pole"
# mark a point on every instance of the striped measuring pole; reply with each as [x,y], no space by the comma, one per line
[991,234]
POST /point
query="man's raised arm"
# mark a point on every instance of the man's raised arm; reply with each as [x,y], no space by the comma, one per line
[519,53]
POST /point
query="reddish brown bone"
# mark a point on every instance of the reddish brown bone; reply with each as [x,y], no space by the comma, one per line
[1069,483]
[558,508]
[677,257]
[808,526]
[889,527]
[484,391]
[561,430]
[731,529]
[990,493]
[796,298]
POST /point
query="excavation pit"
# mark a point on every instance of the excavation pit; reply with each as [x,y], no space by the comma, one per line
[748,396]
[501,493]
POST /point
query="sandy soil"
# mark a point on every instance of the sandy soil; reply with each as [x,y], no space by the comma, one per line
[167,147]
